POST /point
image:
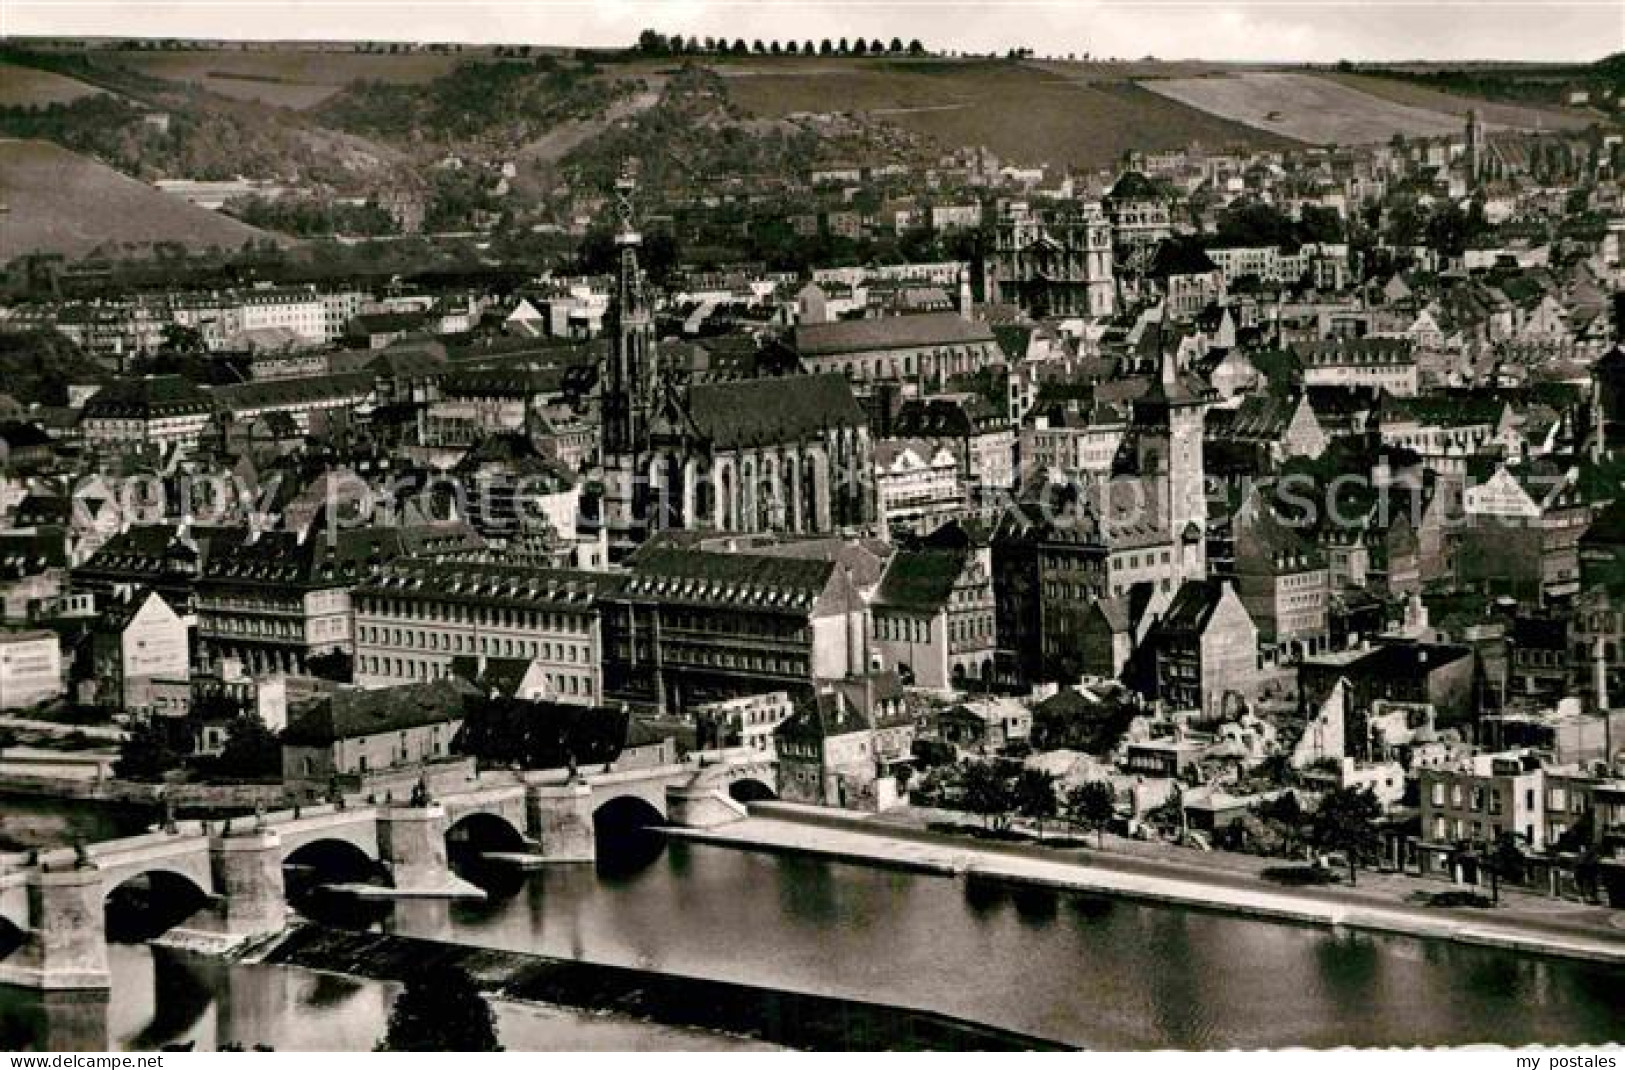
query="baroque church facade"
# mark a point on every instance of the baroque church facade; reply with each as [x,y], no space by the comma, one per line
[788,454]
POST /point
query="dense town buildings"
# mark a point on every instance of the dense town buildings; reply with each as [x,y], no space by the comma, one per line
[1158,498]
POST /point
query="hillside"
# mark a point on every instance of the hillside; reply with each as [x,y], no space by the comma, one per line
[1071,114]
[289,77]
[1345,110]
[25,87]
[1494,113]
[60,202]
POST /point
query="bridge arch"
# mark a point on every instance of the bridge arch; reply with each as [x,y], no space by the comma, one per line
[146,903]
[329,860]
[12,937]
[630,812]
[749,789]
[484,830]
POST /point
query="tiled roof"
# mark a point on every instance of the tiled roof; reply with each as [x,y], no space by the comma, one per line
[324,558]
[353,714]
[1354,352]
[488,584]
[1259,418]
[748,581]
[889,332]
[921,580]
[766,411]
[274,393]
[1192,606]
[148,397]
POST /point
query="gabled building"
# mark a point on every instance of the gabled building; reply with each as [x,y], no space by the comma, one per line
[1521,531]
[1205,648]
[933,617]
[138,645]
[827,755]
[917,486]
[1282,579]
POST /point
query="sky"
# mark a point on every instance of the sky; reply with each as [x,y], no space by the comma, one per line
[1285,30]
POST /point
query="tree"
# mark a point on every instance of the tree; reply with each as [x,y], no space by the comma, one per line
[1092,806]
[915,48]
[1346,821]
[336,665]
[987,792]
[1505,861]
[441,1010]
[251,751]
[896,45]
[152,749]
[1284,815]
[1035,796]
[860,47]
[843,47]
[825,48]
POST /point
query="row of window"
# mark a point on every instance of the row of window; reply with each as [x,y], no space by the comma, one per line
[459,643]
[488,616]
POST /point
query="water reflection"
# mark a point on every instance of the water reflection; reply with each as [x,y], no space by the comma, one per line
[1083,969]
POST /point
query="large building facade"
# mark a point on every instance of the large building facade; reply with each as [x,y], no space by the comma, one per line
[1056,262]
[417,616]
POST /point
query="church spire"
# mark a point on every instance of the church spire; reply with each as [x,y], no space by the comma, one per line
[629,284]
[629,391]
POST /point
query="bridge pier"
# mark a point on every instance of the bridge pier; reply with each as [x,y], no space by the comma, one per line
[67,943]
[559,817]
[412,843]
[251,899]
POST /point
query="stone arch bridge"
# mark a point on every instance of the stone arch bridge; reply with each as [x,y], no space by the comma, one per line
[55,899]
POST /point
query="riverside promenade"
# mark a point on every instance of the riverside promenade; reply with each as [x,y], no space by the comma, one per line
[1209,881]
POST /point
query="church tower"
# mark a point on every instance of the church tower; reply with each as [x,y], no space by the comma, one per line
[1475,148]
[628,389]
[1168,424]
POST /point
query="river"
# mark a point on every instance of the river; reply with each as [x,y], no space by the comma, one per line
[1083,970]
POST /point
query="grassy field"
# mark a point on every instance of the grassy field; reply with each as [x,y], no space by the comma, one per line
[291,78]
[24,87]
[1347,109]
[59,202]
[1496,115]
[1087,116]
[1305,107]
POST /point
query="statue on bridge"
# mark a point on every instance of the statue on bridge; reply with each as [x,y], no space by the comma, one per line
[420,793]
